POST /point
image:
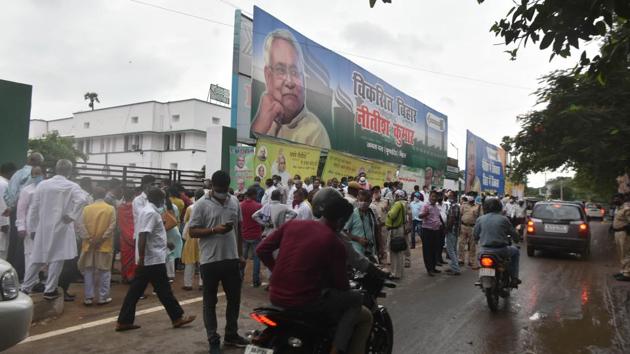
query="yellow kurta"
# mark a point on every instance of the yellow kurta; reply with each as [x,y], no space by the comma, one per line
[190,253]
[99,222]
[179,203]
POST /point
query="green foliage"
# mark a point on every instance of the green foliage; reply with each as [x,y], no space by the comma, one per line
[93,97]
[54,148]
[372,2]
[561,24]
[585,127]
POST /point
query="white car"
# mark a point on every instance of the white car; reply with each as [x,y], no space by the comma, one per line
[16,308]
[594,211]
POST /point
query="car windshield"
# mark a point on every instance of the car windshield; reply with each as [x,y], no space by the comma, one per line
[556,212]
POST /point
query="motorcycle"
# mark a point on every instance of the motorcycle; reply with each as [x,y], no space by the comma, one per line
[289,331]
[494,278]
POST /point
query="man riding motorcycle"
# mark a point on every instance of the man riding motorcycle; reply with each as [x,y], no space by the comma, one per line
[492,231]
[309,273]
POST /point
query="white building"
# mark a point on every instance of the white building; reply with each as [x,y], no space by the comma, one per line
[170,135]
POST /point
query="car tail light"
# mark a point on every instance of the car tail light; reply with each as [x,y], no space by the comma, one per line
[263,319]
[583,229]
[530,227]
[602,211]
[487,262]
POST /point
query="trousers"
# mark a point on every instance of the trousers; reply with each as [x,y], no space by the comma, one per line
[156,275]
[397,258]
[430,242]
[250,246]
[31,277]
[189,274]
[451,250]
[623,250]
[96,279]
[228,273]
[467,241]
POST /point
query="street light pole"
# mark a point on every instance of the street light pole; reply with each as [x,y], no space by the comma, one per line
[459,184]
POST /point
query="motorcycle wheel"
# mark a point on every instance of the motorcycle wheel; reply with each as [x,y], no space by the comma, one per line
[492,297]
[382,337]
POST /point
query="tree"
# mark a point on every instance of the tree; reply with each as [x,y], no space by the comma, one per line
[561,24]
[372,2]
[93,97]
[55,147]
[584,127]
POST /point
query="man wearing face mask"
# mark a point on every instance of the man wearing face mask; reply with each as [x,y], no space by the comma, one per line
[151,252]
[24,202]
[362,226]
[310,272]
[216,221]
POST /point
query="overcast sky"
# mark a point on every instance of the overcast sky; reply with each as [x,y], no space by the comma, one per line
[129,52]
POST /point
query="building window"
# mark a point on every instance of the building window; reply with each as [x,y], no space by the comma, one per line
[216,120]
[175,117]
[86,125]
[179,141]
[167,142]
[88,146]
[134,120]
[133,142]
[103,145]
[80,145]
[173,165]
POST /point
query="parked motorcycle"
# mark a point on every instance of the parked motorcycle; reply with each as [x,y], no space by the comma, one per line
[290,331]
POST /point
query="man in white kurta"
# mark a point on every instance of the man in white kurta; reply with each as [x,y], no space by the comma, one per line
[140,202]
[6,171]
[24,202]
[56,204]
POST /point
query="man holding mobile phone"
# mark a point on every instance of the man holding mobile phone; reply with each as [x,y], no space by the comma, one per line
[216,221]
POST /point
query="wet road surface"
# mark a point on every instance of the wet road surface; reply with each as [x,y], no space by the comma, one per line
[565,305]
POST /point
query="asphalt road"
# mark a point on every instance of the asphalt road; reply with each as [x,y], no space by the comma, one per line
[565,305]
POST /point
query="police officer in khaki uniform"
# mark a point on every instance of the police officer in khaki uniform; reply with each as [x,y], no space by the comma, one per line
[470,213]
[621,226]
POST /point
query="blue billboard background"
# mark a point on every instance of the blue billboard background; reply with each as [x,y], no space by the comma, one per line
[485,166]
[341,94]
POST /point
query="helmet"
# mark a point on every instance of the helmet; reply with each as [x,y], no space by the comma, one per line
[492,205]
[323,199]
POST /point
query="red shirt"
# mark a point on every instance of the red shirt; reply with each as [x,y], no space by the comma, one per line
[251,229]
[311,258]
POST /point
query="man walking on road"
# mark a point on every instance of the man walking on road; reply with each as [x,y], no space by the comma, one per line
[216,221]
[252,232]
[430,235]
[151,252]
[621,226]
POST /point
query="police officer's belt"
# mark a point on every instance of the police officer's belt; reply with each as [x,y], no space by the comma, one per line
[469,225]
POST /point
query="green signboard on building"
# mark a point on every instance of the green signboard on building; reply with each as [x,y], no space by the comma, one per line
[15,112]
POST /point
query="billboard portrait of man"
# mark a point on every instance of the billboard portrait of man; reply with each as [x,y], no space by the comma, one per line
[240,164]
[282,112]
[473,184]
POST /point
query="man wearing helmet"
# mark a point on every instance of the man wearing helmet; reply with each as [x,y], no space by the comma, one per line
[310,272]
[492,231]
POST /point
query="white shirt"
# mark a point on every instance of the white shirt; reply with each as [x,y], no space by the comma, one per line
[510,209]
[149,220]
[267,196]
[303,211]
[137,205]
[23,208]
[53,199]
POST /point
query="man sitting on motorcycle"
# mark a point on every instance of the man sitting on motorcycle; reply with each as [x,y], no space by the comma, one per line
[309,274]
[492,231]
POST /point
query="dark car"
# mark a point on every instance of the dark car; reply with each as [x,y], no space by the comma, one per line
[559,226]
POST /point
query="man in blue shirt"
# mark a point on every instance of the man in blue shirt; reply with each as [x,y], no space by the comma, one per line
[416,205]
[362,226]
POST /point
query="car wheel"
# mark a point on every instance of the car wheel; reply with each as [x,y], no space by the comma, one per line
[530,251]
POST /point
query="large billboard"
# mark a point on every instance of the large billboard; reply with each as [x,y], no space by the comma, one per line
[286,160]
[485,166]
[305,93]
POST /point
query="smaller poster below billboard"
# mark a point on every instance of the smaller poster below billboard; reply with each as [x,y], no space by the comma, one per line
[381,172]
[285,160]
[340,165]
[410,177]
[485,166]
[241,167]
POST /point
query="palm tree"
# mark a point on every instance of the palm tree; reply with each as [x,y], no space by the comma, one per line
[92,96]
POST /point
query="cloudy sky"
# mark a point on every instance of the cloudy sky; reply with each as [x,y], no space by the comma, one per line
[439,52]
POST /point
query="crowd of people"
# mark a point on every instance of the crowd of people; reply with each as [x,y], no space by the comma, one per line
[61,230]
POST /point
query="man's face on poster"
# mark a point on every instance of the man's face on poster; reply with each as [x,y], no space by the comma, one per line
[241,184]
[282,163]
[240,162]
[285,79]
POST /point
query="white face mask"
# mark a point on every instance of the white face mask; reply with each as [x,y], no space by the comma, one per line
[221,196]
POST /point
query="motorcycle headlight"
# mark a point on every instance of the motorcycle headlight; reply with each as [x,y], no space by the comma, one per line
[10,285]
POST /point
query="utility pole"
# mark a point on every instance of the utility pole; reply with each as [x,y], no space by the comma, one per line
[561,189]
[459,182]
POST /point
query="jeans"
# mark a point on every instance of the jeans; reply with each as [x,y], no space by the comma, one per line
[227,272]
[156,275]
[250,245]
[451,250]
[416,228]
[511,251]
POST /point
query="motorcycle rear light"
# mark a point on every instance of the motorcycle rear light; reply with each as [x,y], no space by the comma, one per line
[487,262]
[263,319]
